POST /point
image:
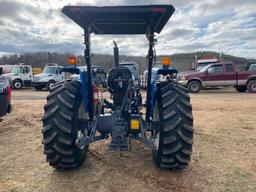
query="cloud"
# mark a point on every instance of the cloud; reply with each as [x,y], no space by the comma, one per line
[224,26]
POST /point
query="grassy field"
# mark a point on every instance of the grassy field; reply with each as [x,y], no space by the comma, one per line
[224,152]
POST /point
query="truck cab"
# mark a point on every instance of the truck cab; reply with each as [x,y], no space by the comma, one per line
[20,76]
[51,74]
[220,75]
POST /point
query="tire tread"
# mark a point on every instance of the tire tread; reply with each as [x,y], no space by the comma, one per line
[175,125]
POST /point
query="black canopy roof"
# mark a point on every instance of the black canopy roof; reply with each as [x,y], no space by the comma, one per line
[120,19]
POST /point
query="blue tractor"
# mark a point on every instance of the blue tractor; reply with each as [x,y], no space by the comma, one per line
[71,122]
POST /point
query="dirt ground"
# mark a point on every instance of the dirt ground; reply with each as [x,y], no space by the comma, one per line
[224,152]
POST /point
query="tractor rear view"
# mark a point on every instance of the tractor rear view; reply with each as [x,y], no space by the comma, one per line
[75,116]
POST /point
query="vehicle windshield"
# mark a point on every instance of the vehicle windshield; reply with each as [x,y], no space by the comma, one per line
[202,69]
[17,70]
[203,65]
[49,70]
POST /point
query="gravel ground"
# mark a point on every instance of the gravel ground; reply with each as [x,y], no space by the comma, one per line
[224,153]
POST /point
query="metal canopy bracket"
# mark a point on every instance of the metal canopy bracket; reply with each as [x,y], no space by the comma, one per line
[150,58]
[87,58]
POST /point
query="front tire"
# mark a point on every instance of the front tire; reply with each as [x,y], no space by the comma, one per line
[173,117]
[17,84]
[50,85]
[63,113]
[251,86]
[194,87]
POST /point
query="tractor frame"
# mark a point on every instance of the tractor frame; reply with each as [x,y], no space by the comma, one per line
[168,115]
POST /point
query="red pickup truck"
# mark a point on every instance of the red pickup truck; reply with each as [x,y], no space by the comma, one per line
[220,74]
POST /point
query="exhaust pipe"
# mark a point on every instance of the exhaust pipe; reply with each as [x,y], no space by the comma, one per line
[116,54]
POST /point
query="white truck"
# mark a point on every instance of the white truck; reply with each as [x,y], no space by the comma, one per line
[20,76]
[6,68]
[51,74]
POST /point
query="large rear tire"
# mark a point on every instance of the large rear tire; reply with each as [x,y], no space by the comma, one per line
[61,126]
[173,117]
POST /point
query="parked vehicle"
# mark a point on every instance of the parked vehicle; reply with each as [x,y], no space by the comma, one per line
[52,74]
[220,74]
[7,68]
[5,96]
[20,76]
[70,121]
[77,76]
[159,78]
[144,77]
[98,74]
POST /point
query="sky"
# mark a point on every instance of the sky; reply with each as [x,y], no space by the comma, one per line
[227,26]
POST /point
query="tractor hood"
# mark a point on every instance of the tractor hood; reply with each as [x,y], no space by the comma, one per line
[120,19]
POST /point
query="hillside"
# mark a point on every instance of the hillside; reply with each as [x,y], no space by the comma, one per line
[181,61]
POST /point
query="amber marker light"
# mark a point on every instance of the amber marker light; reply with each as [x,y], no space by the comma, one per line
[72,60]
[166,61]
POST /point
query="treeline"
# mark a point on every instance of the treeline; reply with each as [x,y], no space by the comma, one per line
[37,59]
[181,61]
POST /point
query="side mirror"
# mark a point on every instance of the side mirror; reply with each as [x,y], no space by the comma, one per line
[206,72]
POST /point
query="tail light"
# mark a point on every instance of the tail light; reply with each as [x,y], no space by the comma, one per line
[9,91]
